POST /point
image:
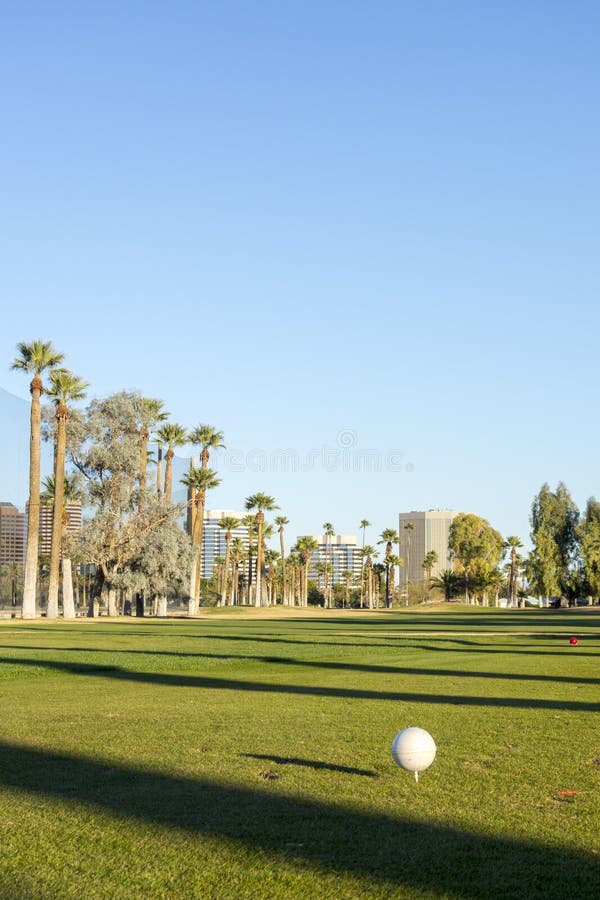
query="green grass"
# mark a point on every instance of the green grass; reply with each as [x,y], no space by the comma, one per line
[232,757]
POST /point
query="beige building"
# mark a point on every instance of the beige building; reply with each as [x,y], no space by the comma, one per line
[430,530]
[12,534]
[47,517]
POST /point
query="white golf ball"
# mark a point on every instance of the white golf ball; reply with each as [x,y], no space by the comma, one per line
[413,749]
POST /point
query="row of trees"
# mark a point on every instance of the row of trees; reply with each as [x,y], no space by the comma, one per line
[140,544]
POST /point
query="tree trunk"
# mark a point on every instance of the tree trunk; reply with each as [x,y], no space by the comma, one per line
[169,474]
[67,581]
[161,607]
[33,513]
[62,415]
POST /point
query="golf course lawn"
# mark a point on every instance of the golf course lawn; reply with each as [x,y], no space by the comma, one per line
[247,755]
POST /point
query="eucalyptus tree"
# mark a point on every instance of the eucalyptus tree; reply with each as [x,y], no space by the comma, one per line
[34,359]
[512,544]
[553,560]
[64,388]
[260,502]
[281,522]
[228,524]
[389,537]
[173,435]
[589,537]
[477,547]
[199,481]
[305,546]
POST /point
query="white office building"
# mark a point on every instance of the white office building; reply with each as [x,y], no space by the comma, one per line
[430,531]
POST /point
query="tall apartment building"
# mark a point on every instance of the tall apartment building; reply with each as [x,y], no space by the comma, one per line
[13,528]
[430,531]
[341,550]
[47,517]
[214,540]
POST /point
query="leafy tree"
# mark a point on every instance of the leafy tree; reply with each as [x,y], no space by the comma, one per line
[477,548]
[553,560]
[34,359]
[589,536]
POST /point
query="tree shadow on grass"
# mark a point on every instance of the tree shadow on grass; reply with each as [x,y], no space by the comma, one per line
[311,764]
[391,852]
[325,665]
[268,687]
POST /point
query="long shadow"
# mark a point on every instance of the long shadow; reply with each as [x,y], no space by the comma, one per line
[391,851]
[230,684]
[310,764]
[371,668]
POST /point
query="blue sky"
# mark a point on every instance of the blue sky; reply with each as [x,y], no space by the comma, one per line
[316,223]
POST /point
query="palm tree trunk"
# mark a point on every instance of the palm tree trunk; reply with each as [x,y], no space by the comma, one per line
[169,474]
[259,558]
[33,512]
[57,515]
[67,584]
[226,568]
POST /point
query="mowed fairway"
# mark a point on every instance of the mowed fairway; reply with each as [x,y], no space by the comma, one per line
[250,757]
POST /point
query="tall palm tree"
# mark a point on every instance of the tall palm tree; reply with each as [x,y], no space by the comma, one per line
[150,412]
[329,532]
[199,481]
[34,358]
[260,502]
[364,524]
[238,553]
[295,566]
[173,435]
[306,547]
[249,523]
[347,578]
[281,522]
[368,553]
[71,492]
[209,439]
[513,543]
[388,537]
[409,528]
[228,524]
[428,563]
[64,387]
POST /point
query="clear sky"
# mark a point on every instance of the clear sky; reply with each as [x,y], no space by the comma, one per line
[341,225]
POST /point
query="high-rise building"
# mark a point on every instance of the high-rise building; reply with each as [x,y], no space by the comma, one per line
[47,518]
[214,541]
[12,534]
[430,531]
[340,550]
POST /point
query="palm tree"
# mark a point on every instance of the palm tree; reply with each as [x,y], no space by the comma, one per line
[175,436]
[150,413]
[207,438]
[199,481]
[238,553]
[347,578]
[428,563]
[512,543]
[281,522]
[364,524]
[34,358]
[368,553]
[409,528]
[447,581]
[64,387]
[306,547]
[388,537]
[71,493]
[295,567]
[228,524]
[329,532]
[260,502]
